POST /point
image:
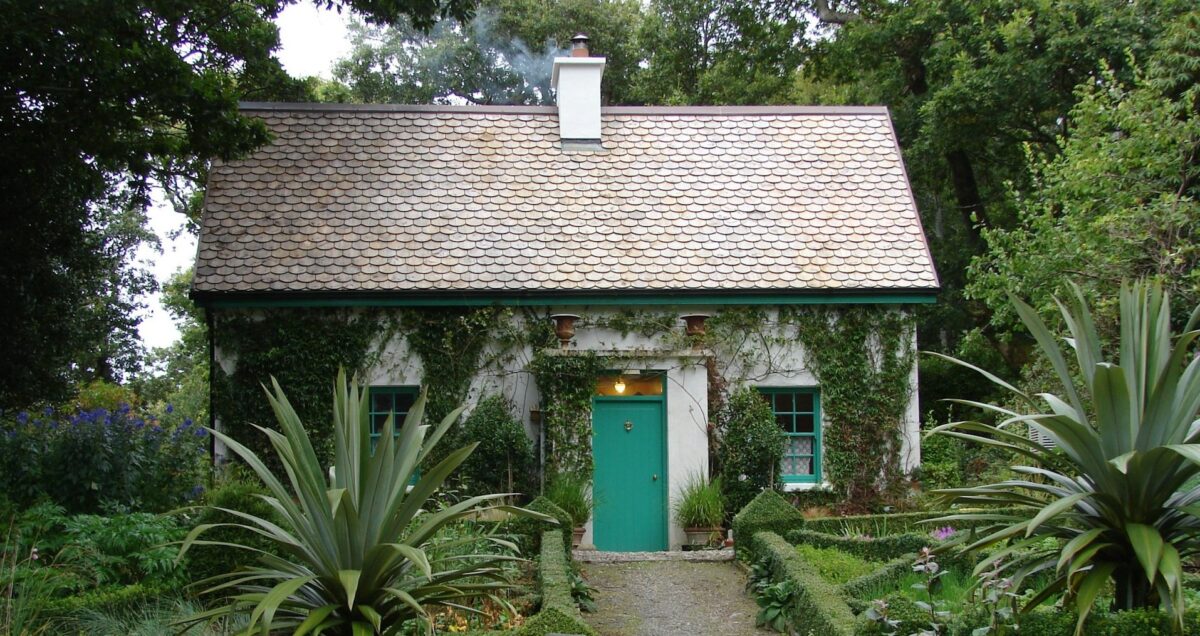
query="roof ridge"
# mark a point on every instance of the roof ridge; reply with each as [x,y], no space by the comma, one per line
[551,110]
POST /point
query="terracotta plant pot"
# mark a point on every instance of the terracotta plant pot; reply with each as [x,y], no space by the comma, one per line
[564,328]
[577,536]
[702,537]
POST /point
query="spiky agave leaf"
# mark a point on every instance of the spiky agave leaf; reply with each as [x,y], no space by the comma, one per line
[1114,489]
[357,541]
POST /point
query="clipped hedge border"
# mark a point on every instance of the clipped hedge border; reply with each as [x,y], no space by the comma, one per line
[817,606]
[891,572]
[896,523]
[528,532]
[870,548]
[768,511]
[559,613]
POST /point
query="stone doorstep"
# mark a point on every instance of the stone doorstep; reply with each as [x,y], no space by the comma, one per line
[696,556]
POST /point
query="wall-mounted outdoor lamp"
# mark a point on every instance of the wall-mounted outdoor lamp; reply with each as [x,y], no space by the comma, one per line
[564,328]
[619,385]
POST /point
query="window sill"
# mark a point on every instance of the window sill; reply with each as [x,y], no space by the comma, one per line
[806,486]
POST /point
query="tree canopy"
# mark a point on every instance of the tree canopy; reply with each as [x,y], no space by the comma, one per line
[103,99]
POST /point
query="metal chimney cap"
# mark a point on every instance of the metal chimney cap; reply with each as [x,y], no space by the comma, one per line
[579,45]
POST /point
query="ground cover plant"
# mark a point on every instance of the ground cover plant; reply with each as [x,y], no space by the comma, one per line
[358,541]
[1113,494]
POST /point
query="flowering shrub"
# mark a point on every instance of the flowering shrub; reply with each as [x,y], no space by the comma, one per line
[91,457]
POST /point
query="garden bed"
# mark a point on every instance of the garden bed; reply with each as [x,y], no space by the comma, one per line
[855,576]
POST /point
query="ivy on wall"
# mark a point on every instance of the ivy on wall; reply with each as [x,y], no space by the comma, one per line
[566,383]
[450,343]
[863,359]
[302,349]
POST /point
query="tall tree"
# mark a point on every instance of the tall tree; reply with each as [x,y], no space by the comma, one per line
[102,98]
[503,55]
[1122,200]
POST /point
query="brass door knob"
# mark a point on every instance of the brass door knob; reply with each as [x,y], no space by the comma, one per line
[655,478]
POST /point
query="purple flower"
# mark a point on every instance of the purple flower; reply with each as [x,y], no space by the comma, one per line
[941,534]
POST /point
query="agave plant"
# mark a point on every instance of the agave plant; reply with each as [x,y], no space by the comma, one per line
[357,537]
[1117,489]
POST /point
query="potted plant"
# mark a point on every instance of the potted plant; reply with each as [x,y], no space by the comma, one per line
[700,509]
[572,493]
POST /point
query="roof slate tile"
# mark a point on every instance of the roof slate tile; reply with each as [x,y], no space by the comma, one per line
[350,199]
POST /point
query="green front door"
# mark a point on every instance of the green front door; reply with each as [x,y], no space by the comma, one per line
[630,489]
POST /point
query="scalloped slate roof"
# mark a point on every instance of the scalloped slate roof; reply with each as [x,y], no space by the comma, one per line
[483,199]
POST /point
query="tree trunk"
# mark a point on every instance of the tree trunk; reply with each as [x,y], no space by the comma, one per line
[1132,590]
[966,192]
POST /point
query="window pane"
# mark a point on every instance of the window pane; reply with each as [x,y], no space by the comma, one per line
[785,423]
[381,402]
[377,422]
[804,402]
[783,402]
[404,402]
[801,446]
[804,423]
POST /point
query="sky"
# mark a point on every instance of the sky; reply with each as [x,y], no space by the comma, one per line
[311,39]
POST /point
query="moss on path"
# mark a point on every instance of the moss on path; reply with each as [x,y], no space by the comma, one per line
[656,598]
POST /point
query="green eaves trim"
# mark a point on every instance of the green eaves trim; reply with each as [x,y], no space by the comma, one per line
[910,298]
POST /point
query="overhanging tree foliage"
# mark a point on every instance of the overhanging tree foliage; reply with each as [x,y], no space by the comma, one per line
[100,99]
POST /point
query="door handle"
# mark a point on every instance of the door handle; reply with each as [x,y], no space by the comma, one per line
[654,478]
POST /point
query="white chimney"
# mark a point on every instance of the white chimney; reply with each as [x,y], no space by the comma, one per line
[576,83]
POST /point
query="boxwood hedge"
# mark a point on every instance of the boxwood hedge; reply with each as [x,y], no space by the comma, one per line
[770,511]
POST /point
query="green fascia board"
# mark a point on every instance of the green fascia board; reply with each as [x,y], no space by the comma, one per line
[266,301]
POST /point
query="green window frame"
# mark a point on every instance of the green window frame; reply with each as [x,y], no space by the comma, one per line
[389,400]
[798,412]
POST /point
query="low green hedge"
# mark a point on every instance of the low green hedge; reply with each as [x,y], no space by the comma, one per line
[105,600]
[527,533]
[883,548]
[559,613]
[889,524]
[767,511]
[855,590]
[817,606]
[1041,622]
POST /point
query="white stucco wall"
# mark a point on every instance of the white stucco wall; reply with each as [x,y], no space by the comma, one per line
[686,385]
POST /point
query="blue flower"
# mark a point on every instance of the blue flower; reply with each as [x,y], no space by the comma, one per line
[23,417]
[187,421]
[200,432]
[170,408]
[48,411]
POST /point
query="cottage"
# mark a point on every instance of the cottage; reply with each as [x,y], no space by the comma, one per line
[608,224]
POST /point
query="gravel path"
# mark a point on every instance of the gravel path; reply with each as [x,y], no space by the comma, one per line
[660,598]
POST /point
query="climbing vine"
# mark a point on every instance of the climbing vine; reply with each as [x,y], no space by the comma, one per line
[863,359]
[450,343]
[567,382]
[302,349]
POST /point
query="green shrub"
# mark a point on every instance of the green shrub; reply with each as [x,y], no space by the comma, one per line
[151,615]
[886,577]
[240,493]
[503,460]
[768,511]
[870,548]
[1059,623]
[527,532]
[815,498]
[571,493]
[751,449]
[817,606]
[86,460]
[834,565]
[108,600]
[896,523]
[941,462]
